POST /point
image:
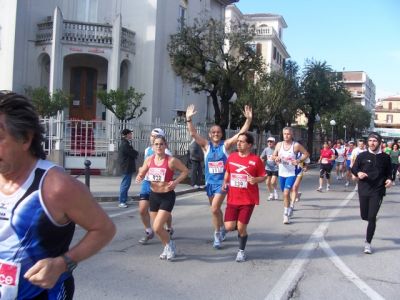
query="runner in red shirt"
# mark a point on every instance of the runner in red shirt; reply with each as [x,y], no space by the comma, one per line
[244,170]
[325,160]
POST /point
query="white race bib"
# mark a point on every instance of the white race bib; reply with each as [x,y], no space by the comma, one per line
[239,180]
[156,174]
[215,167]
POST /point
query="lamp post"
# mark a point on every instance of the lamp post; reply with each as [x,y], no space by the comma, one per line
[333,123]
[345,136]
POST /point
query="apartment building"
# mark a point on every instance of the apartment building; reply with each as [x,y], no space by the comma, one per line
[268,40]
[387,117]
[361,88]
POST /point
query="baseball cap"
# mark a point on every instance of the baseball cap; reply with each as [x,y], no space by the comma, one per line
[158,131]
[271,138]
[126,131]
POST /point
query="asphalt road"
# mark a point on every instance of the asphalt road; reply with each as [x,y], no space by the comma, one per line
[318,256]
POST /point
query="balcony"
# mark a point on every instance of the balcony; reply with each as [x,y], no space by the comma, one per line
[81,33]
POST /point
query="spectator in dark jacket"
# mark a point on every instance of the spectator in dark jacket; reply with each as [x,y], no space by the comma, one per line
[126,159]
[196,157]
[373,170]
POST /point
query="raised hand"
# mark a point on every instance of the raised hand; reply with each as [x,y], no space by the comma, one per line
[248,112]
[190,111]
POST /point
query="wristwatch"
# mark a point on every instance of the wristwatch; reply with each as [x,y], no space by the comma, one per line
[71,265]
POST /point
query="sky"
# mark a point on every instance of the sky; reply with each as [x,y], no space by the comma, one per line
[350,35]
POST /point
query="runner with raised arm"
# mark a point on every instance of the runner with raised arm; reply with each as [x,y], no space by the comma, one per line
[215,155]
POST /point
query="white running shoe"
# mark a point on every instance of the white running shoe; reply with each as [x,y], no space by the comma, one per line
[171,252]
[276,197]
[290,211]
[122,205]
[241,256]
[217,240]
[367,248]
[164,254]
[328,187]
[144,240]
[319,189]
[347,183]
[298,197]
[222,234]
[286,219]
[271,197]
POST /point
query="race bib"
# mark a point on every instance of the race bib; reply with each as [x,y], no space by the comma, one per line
[9,278]
[269,158]
[239,181]
[156,174]
[215,167]
[286,161]
[324,161]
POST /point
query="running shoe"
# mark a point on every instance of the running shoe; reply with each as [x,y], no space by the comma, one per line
[286,219]
[393,183]
[241,256]
[298,197]
[217,241]
[144,240]
[164,254]
[271,197]
[328,187]
[356,188]
[223,234]
[319,189]
[276,197]
[347,183]
[367,248]
[290,211]
[171,250]
[122,205]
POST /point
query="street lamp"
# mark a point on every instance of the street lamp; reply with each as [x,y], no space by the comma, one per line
[345,136]
[333,123]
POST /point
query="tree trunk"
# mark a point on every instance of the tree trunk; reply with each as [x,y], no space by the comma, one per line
[217,110]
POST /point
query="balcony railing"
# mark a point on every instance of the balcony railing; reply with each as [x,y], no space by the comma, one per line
[92,34]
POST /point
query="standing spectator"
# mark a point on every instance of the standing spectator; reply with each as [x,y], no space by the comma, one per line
[373,169]
[126,158]
[196,157]
[40,208]
[394,158]
[244,171]
[271,168]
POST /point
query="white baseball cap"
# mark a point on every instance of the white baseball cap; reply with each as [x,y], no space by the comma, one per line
[271,138]
[158,131]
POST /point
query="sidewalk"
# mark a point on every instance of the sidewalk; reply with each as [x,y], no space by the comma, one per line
[106,188]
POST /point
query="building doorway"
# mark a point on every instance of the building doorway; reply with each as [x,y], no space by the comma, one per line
[83,90]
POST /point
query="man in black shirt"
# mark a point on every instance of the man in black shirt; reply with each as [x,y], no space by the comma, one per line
[372,168]
[126,158]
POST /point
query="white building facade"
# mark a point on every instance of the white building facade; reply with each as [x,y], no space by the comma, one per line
[268,40]
[81,46]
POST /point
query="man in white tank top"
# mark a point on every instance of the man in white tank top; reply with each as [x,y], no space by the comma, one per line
[285,155]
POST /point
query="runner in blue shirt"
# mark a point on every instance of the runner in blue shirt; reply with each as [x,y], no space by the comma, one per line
[216,152]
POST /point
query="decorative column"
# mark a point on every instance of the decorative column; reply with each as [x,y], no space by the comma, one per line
[56,59]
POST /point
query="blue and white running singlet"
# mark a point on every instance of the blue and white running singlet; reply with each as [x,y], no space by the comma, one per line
[28,234]
[214,163]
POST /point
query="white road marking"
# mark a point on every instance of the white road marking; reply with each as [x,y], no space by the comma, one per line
[349,274]
[293,274]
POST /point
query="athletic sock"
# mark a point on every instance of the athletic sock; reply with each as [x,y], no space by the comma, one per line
[242,242]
